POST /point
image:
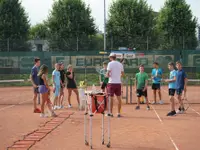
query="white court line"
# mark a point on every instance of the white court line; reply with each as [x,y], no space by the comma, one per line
[7,107]
[174,144]
[4,108]
[189,107]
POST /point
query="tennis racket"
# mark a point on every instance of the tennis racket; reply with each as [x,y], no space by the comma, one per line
[186,103]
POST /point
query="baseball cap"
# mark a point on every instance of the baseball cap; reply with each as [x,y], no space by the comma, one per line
[112,55]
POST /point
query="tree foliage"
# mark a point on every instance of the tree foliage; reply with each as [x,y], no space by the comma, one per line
[177,26]
[14,26]
[71,25]
[130,23]
[39,31]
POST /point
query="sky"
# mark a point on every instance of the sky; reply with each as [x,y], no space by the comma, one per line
[38,10]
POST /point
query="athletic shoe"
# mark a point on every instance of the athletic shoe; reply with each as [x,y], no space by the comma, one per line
[148,107]
[62,107]
[153,103]
[58,107]
[111,115]
[69,106]
[55,107]
[161,102]
[42,115]
[118,115]
[37,110]
[137,107]
[53,114]
[180,111]
[171,113]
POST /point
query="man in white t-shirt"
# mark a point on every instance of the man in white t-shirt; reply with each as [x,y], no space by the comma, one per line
[114,71]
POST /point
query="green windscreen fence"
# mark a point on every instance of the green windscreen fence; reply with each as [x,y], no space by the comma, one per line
[86,62]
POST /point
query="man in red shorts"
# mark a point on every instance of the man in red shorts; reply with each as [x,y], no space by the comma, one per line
[114,71]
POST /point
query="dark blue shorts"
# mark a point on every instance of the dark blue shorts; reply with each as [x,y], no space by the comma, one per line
[179,91]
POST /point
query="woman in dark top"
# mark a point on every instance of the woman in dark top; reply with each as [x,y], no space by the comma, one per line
[71,85]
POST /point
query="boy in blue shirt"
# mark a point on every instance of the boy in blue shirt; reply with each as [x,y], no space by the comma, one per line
[172,87]
[181,85]
[156,76]
[56,85]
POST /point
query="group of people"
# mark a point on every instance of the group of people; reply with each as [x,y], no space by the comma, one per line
[60,80]
[177,84]
[110,80]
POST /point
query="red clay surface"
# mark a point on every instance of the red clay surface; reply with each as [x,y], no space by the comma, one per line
[136,130]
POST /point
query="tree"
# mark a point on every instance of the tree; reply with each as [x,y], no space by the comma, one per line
[177,26]
[131,24]
[39,31]
[71,25]
[14,26]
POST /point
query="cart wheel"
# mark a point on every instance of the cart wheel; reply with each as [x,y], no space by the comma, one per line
[102,143]
[108,145]
[86,143]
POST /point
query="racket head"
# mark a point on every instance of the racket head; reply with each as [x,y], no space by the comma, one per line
[186,103]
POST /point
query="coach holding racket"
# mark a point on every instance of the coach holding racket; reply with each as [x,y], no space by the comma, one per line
[114,71]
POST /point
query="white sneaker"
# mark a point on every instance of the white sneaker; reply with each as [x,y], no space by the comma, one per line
[42,115]
[58,107]
[161,102]
[69,106]
[62,107]
[55,107]
[153,103]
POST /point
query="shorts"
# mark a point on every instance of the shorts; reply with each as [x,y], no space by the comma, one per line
[140,93]
[42,89]
[156,86]
[103,86]
[114,89]
[57,91]
[179,91]
[35,90]
[172,92]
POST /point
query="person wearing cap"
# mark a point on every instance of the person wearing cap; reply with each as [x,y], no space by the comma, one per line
[114,72]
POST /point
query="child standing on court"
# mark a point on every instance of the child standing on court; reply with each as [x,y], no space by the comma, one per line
[103,79]
[71,85]
[56,85]
[156,76]
[62,87]
[141,84]
[44,90]
[181,85]
[172,87]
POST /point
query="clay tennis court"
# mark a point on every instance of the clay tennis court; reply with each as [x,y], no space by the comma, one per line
[136,130]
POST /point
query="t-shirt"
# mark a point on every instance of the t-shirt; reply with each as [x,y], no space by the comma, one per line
[102,74]
[141,79]
[157,80]
[180,79]
[62,75]
[172,85]
[115,68]
[34,72]
[56,75]
[70,82]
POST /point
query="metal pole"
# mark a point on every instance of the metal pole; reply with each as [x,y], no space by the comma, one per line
[8,44]
[104,25]
[147,43]
[131,90]
[77,41]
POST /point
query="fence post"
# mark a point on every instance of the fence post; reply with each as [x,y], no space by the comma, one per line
[131,90]
[127,90]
